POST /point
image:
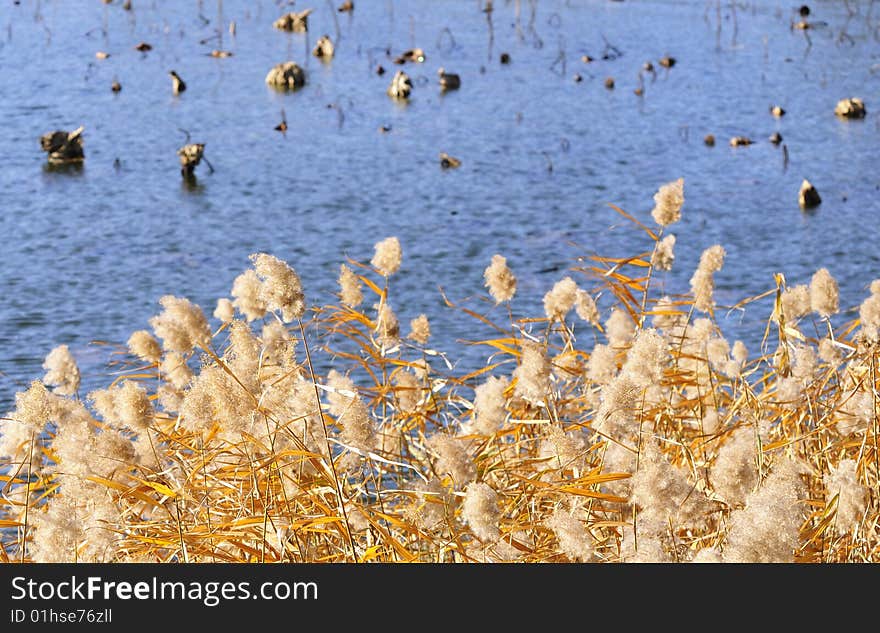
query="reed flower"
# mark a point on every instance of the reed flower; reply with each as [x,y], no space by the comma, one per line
[717,352]
[408,391]
[869,314]
[621,399]
[646,358]
[740,353]
[663,493]
[428,507]
[734,474]
[420,330]
[668,202]
[561,450]
[350,292]
[533,374]
[480,511]
[35,406]
[175,370]
[574,539]
[224,311]
[824,294]
[585,307]
[500,280]
[664,253]
[247,295]
[57,533]
[62,371]
[15,440]
[619,328]
[182,326]
[560,299]
[280,287]
[602,365]
[126,406]
[703,279]
[351,413]
[766,530]
[388,256]
[852,496]
[387,326]
[489,405]
[796,302]
[452,459]
[278,345]
[144,346]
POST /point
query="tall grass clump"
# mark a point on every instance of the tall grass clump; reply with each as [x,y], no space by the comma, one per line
[616,424]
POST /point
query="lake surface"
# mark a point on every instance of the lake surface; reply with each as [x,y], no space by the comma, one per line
[87,253]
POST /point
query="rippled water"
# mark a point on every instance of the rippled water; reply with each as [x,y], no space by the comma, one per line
[88,252]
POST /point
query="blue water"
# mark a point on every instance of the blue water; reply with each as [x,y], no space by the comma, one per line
[87,253]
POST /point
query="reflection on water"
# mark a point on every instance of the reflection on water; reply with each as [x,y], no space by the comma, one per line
[89,250]
[64,169]
[190,184]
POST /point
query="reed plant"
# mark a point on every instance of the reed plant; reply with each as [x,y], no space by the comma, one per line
[618,425]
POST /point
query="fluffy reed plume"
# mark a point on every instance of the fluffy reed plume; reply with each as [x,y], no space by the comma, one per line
[489,405]
[224,311]
[175,370]
[824,294]
[621,399]
[796,302]
[766,530]
[829,352]
[663,493]
[333,440]
[246,293]
[602,365]
[559,301]
[533,374]
[452,459]
[646,358]
[62,372]
[144,346]
[351,413]
[561,451]
[703,279]
[585,307]
[420,330]
[280,287]
[126,406]
[500,280]
[278,346]
[388,256]
[664,253]
[668,202]
[408,391]
[869,314]
[428,507]
[852,496]
[708,555]
[619,328]
[350,292]
[480,511]
[740,353]
[666,315]
[735,472]
[181,325]
[33,409]
[574,539]
[34,406]
[387,326]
